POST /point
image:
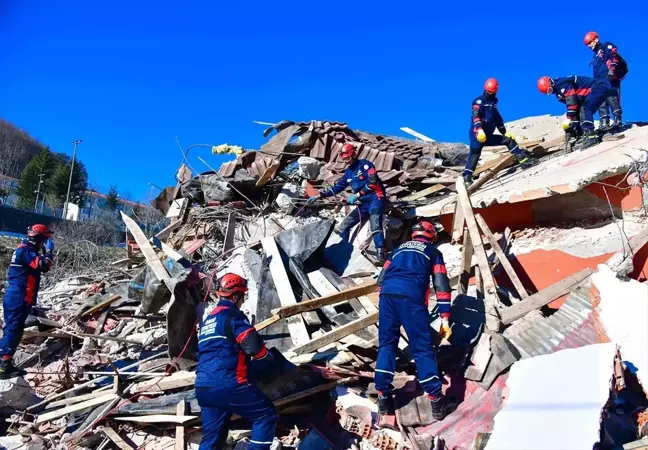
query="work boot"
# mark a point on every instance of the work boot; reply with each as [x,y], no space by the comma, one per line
[588,140]
[617,126]
[604,125]
[8,370]
[386,404]
[467,180]
[441,407]
[523,159]
[380,256]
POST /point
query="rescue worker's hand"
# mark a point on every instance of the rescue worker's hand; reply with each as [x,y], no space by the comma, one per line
[352,199]
[445,332]
[312,199]
[481,136]
[49,246]
[511,136]
[566,124]
[611,75]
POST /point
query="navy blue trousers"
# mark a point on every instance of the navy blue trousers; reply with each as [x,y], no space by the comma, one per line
[612,103]
[16,311]
[476,148]
[394,311]
[217,404]
[592,103]
[374,209]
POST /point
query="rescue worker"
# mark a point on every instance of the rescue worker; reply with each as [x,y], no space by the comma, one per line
[583,97]
[404,289]
[484,120]
[607,64]
[226,342]
[367,189]
[27,264]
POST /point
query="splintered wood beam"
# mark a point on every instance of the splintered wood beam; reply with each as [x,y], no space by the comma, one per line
[504,261]
[491,299]
[336,334]
[325,300]
[466,264]
[424,193]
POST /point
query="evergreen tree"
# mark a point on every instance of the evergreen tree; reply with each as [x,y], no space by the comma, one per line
[112,198]
[59,182]
[28,185]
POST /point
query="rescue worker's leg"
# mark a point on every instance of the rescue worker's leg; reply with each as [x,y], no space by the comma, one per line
[416,321]
[215,419]
[351,220]
[376,212]
[604,117]
[472,161]
[250,403]
[16,311]
[591,104]
[614,102]
[388,337]
[512,146]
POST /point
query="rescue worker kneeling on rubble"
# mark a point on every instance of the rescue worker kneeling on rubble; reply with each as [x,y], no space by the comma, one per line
[367,189]
[404,289]
[484,120]
[27,264]
[226,342]
[583,97]
[607,64]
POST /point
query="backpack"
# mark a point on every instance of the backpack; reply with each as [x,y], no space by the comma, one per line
[621,68]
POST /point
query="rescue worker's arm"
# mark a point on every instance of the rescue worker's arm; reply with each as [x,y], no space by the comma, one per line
[338,187]
[500,124]
[372,182]
[477,115]
[383,271]
[247,338]
[441,285]
[571,99]
[612,59]
[37,262]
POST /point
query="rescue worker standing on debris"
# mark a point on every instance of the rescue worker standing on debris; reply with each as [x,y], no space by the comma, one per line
[226,342]
[608,65]
[485,120]
[27,264]
[583,97]
[367,189]
[404,289]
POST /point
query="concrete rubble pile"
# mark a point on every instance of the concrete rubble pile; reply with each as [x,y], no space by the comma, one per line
[538,305]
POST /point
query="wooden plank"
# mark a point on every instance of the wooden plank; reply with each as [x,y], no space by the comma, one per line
[69,335]
[424,193]
[296,326]
[116,439]
[268,174]
[331,299]
[438,180]
[107,302]
[466,265]
[543,297]
[266,323]
[180,440]
[504,261]
[314,390]
[72,408]
[156,418]
[336,334]
[503,162]
[76,399]
[480,357]
[173,381]
[166,231]
[491,299]
[147,250]
[228,242]
[458,221]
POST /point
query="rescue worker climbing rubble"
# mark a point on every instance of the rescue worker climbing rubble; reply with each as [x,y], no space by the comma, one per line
[583,97]
[361,176]
[608,65]
[24,275]
[485,120]
[404,289]
[226,342]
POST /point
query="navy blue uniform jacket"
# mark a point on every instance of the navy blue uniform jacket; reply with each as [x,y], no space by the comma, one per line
[25,272]
[361,176]
[486,116]
[573,91]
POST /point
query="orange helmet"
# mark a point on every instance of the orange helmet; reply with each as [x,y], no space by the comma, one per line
[545,85]
[424,229]
[491,86]
[39,232]
[231,284]
[348,150]
[589,37]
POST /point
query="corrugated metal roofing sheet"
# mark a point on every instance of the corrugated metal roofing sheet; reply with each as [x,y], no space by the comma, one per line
[227,169]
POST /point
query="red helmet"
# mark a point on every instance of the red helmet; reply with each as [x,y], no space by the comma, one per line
[231,284]
[589,37]
[39,232]
[545,85]
[348,150]
[425,230]
[491,86]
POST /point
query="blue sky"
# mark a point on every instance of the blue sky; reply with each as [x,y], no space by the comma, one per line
[127,77]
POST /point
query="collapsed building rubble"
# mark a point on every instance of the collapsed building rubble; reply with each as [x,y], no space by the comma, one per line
[111,356]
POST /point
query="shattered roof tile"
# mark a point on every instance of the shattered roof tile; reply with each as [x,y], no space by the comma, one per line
[227,169]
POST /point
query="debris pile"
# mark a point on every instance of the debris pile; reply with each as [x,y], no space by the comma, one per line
[111,355]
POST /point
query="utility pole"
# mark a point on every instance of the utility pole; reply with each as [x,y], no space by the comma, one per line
[40,183]
[67,197]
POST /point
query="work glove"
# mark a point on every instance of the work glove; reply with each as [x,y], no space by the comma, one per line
[312,199]
[49,246]
[511,136]
[611,75]
[353,198]
[445,332]
[566,124]
[481,136]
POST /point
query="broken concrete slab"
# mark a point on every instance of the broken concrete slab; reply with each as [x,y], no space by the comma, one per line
[346,260]
[309,168]
[16,394]
[284,200]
